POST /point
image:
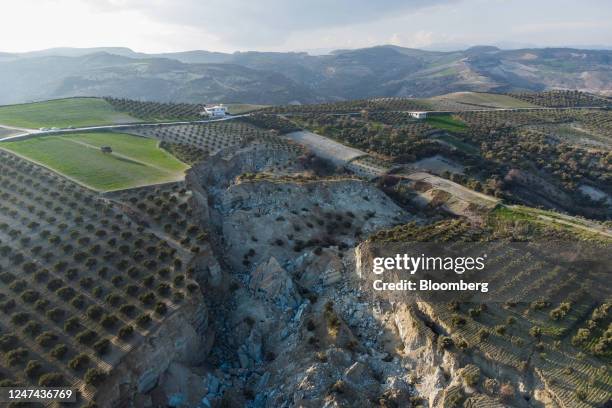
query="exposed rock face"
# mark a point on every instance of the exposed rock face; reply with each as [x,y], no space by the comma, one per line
[181,339]
[270,281]
[280,219]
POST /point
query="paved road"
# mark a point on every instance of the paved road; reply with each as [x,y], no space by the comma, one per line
[34,132]
[441,111]
[326,148]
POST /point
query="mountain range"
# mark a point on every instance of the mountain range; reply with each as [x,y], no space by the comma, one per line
[296,77]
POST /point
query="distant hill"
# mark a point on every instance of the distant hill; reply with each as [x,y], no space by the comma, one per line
[281,78]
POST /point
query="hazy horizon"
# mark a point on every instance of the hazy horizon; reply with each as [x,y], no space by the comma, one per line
[313,26]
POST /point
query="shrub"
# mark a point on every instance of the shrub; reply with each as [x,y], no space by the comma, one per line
[8,342]
[32,328]
[51,380]
[582,336]
[20,318]
[16,356]
[458,321]
[59,351]
[163,289]
[56,314]
[147,298]
[72,324]
[79,362]
[66,293]
[109,320]
[483,334]
[33,369]
[94,376]
[94,312]
[126,332]
[143,320]
[127,309]
[46,339]
[445,343]
[78,302]
[86,336]
[113,299]
[30,296]
[161,308]
[471,377]
[101,346]
[535,332]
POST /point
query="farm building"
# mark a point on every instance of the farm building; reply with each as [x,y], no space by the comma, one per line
[418,115]
[217,111]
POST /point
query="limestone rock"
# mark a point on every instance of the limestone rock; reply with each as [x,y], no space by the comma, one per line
[272,282]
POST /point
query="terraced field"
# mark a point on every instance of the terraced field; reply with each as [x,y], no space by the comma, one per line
[535,324]
[134,161]
[59,113]
[81,282]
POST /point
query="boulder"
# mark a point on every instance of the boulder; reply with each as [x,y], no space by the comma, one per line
[271,282]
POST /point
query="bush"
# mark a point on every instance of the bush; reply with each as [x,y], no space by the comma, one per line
[33,369]
[127,309]
[20,318]
[163,289]
[108,321]
[94,312]
[56,314]
[8,342]
[161,308]
[30,296]
[126,332]
[32,328]
[16,356]
[147,298]
[445,343]
[51,380]
[483,334]
[46,339]
[79,362]
[59,351]
[101,346]
[94,376]
[143,320]
[86,336]
[458,321]
[535,332]
[73,323]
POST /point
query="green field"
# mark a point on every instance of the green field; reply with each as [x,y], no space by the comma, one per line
[481,99]
[240,108]
[135,161]
[446,122]
[62,113]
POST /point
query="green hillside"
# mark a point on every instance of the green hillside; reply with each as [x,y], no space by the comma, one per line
[62,113]
[134,161]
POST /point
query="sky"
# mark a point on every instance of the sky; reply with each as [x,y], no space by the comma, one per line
[298,25]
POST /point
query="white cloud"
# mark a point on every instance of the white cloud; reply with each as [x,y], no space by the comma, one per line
[276,25]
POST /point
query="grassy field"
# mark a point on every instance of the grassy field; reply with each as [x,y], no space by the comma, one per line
[482,99]
[446,122]
[62,113]
[240,108]
[135,161]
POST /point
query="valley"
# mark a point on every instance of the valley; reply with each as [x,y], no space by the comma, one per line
[181,261]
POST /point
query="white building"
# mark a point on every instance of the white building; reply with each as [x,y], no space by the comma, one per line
[418,115]
[217,111]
